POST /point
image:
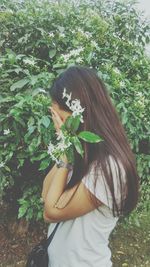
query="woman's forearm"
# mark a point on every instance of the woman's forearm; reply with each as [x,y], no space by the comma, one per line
[56,189]
[47,181]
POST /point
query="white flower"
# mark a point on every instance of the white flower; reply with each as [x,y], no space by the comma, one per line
[2,164]
[76,52]
[6,132]
[79,60]
[64,93]
[1,65]
[75,105]
[66,57]
[81,31]
[51,148]
[116,70]
[60,136]
[51,152]
[139,94]
[77,109]
[122,84]
[62,145]
[61,34]
[67,102]
[94,43]
[29,61]
[51,34]
[72,53]
[64,142]
[68,97]
[41,90]
[86,34]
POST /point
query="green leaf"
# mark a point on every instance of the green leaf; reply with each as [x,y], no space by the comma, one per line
[59,66]
[6,99]
[22,211]
[31,129]
[20,121]
[21,162]
[45,121]
[75,123]
[19,84]
[34,79]
[39,157]
[52,53]
[33,145]
[7,168]
[68,122]
[39,215]
[89,137]
[78,145]
[72,123]
[70,154]
[44,164]
[125,118]
[9,155]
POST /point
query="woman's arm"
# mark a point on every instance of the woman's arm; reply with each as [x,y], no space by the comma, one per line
[56,187]
[79,204]
[47,181]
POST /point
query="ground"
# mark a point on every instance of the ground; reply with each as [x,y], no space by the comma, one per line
[130,244]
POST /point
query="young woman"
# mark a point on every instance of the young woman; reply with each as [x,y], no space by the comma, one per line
[88,199]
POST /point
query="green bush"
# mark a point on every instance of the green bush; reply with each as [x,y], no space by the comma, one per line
[38,40]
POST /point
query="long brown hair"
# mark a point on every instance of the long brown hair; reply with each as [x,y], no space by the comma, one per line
[100,117]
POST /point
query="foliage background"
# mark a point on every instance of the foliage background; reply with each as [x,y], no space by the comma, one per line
[38,40]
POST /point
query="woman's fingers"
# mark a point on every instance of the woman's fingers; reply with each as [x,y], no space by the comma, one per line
[56,119]
[55,123]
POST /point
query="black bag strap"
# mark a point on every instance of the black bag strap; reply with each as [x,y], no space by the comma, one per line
[49,239]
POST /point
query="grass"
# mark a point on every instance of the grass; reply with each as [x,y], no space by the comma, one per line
[130,243]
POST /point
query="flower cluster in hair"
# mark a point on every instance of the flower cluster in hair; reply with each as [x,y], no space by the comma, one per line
[74,105]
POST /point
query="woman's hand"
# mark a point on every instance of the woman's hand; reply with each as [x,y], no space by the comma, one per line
[58,122]
[64,158]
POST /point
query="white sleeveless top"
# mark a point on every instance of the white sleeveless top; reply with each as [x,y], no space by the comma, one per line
[83,241]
